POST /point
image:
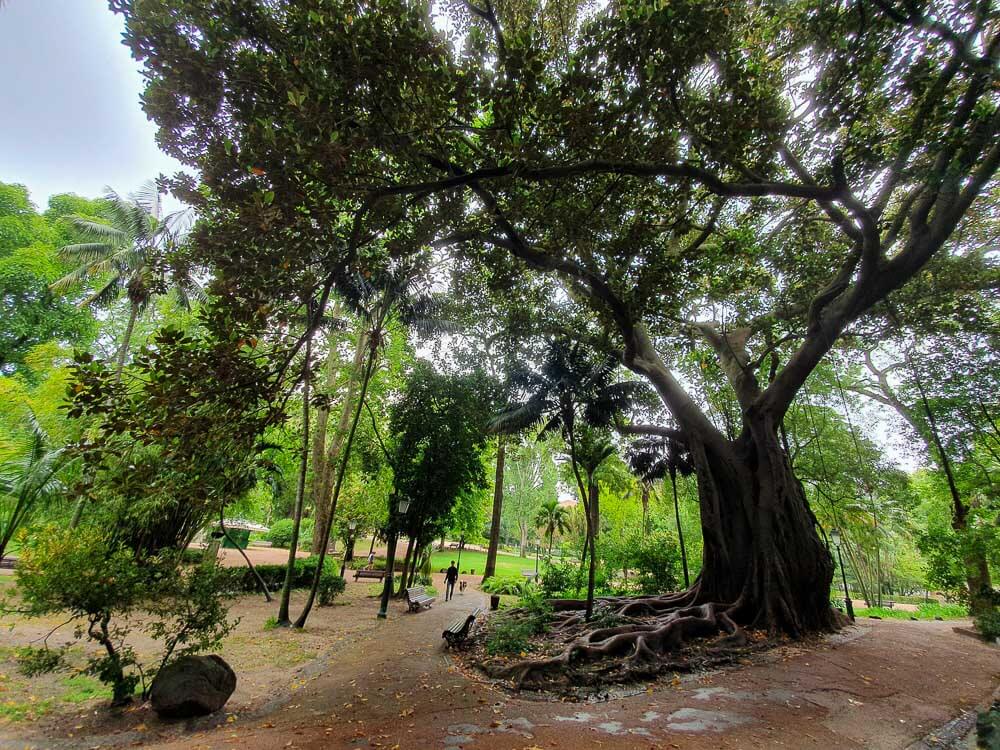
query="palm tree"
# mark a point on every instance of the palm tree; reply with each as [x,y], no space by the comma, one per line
[572,387]
[28,476]
[552,517]
[657,457]
[127,253]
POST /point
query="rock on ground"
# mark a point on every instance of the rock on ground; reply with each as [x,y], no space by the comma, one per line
[192,686]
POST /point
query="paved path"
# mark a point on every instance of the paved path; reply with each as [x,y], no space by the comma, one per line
[880,685]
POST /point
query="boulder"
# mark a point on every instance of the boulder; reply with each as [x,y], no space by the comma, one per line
[192,686]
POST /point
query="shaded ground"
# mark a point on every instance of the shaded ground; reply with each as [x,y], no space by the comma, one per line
[385,684]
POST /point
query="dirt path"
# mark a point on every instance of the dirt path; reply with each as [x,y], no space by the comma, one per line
[390,684]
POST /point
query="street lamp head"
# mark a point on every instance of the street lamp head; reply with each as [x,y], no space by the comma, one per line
[352,525]
[835,536]
[404,505]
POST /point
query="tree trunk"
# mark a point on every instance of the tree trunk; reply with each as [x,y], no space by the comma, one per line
[645,508]
[595,507]
[300,493]
[126,340]
[332,508]
[405,572]
[523,526]
[762,555]
[322,484]
[593,522]
[680,531]
[491,554]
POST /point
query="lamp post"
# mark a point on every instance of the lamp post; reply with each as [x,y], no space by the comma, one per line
[835,536]
[349,552]
[538,546]
[461,545]
[390,559]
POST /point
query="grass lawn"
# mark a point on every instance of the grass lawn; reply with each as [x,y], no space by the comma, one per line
[507,565]
[924,612]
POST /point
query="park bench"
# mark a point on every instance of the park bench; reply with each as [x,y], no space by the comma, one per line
[529,574]
[417,598]
[459,630]
[377,574]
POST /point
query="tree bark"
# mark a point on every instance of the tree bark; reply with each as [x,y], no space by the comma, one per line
[680,531]
[593,523]
[645,508]
[762,555]
[126,340]
[405,572]
[523,527]
[491,554]
[300,493]
[369,369]
[323,471]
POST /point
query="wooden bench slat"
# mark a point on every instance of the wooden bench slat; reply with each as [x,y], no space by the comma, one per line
[417,599]
[459,630]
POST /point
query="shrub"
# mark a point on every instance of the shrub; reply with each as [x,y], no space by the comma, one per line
[656,562]
[241,580]
[509,636]
[90,576]
[558,578]
[988,624]
[503,585]
[280,533]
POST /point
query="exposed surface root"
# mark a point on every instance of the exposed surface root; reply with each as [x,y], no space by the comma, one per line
[645,637]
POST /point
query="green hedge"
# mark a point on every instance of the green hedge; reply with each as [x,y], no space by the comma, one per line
[280,534]
[241,579]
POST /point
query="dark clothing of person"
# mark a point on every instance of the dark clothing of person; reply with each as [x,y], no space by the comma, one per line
[450,576]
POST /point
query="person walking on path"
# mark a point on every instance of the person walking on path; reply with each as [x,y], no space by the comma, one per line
[371,559]
[450,576]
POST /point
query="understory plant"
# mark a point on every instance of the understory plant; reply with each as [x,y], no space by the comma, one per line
[241,580]
[988,623]
[508,585]
[109,593]
[510,632]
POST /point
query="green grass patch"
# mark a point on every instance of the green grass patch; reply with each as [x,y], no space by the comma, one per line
[29,710]
[507,565]
[81,688]
[924,612]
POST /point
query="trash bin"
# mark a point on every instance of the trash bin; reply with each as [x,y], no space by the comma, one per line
[241,537]
[495,601]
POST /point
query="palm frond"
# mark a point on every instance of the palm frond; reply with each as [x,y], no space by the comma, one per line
[107,294]
[519,417]
[98,231]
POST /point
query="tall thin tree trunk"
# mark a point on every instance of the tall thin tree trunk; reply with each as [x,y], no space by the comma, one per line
[405,572]
[300,491]
[593,524]
[325,532]
[256,575]
[320,466]
[523,528]
[977,570]
[680,531]
[645,508]
[491,554]
[126,340]
[323,475]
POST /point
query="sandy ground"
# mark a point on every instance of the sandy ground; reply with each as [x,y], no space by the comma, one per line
[390,684]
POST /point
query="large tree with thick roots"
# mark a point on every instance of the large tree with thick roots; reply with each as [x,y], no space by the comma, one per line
[741,179]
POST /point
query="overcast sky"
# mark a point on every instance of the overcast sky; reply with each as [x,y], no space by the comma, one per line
[70,118]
